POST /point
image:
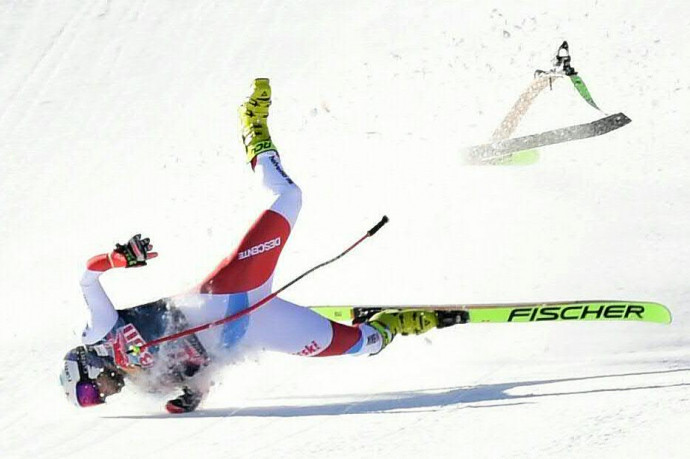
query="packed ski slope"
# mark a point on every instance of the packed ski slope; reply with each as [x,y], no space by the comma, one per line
[118,117]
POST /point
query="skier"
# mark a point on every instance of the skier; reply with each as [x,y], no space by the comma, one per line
[99,367]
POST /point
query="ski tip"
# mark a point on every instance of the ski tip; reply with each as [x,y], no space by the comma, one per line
[654,312]
[665,314]
[621,119]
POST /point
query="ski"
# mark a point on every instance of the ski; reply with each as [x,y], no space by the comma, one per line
[496,151]
[594,310]
[503,150]
[521,106]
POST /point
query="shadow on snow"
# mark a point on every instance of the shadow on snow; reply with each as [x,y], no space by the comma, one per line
[421,400]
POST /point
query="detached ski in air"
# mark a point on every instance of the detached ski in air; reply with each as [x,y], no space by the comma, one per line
[503,149]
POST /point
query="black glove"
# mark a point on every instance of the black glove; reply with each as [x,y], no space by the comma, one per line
[135,251]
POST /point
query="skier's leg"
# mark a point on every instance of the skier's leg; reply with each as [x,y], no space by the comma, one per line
[286,327]
[251,265]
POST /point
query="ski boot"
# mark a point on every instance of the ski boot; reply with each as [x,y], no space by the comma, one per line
[185,403]
[253,119]
[391,322]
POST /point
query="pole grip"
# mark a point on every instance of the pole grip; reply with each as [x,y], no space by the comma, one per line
[378,226]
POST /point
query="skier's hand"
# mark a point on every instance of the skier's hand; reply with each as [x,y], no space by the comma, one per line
[134,253]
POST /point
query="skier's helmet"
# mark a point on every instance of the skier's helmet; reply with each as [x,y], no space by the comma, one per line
[82,367]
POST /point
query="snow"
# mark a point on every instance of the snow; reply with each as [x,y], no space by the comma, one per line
[119,117]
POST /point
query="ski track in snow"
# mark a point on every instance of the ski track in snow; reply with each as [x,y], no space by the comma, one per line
[105,103]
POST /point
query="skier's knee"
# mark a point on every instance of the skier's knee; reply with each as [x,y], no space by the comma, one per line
[289,203]
[296,197]
[292,198]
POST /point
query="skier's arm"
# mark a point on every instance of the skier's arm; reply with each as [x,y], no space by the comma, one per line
[102,313]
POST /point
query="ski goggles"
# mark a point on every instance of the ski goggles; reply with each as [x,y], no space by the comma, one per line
[88,394]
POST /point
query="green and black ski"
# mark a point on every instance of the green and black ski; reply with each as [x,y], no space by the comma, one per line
[595,310]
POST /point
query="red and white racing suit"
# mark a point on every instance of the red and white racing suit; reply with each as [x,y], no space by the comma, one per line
[241,280]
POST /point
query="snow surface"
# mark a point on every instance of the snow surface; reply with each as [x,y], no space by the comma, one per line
[118,117]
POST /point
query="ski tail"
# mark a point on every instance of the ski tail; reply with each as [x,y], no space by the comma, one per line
[591,310]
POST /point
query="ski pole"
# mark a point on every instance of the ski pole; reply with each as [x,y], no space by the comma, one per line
[244,312]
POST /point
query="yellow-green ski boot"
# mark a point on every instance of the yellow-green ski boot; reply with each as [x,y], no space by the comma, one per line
[253,119]
[391,322]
